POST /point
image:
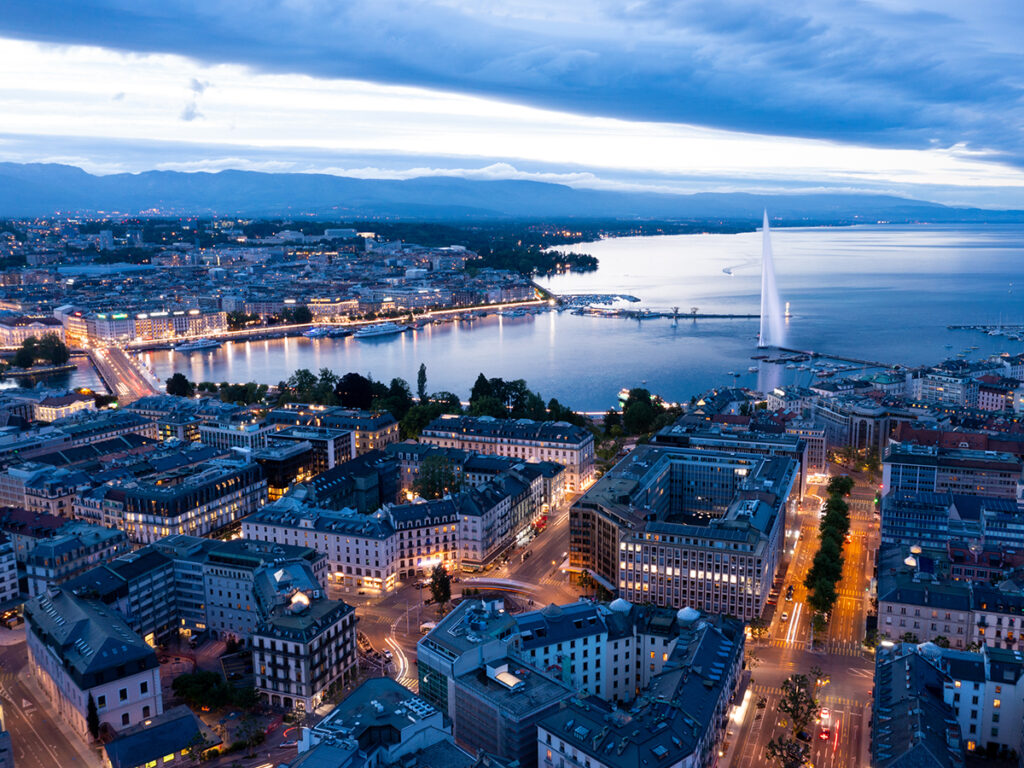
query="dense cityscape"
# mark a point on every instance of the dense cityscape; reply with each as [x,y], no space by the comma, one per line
[332,568]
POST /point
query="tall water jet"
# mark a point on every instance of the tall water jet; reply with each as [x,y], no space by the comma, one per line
[773,323]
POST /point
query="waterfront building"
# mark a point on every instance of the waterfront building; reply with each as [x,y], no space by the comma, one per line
[949,388]
[14,330]
[913,468]
[78,649]
[522,439]
[306,644]
[52,408]
[39,487]
[686,527]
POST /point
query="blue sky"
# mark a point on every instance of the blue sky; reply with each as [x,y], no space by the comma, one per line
[920,99]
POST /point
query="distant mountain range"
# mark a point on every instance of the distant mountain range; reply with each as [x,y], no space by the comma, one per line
[43,189]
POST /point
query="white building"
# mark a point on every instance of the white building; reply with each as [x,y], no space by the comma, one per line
[523,439]
[78,649]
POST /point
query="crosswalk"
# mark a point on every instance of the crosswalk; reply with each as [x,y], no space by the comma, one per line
[824,699]
[832,647]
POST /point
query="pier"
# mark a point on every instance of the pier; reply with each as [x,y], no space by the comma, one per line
[840,358]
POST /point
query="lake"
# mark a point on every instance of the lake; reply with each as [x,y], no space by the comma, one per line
[874,292]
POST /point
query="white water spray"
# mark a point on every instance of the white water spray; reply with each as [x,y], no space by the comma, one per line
[773,323]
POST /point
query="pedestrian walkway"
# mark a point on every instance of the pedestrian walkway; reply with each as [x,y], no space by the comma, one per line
[824,699]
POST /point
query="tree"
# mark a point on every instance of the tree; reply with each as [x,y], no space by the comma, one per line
[611,419]
[52,349]
[25,357]
[354,391]
[437,477]
[787,752]
[250,734]
[758,628]
[92,718]
[421,383]
[798,702]
[841,485]
[908,637]
[440,585]
[179,385]
[197,747]
[481,388]
[941,640]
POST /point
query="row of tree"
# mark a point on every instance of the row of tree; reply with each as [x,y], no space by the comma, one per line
[297,315]
[489,397]
[827,567]
[48,349]
[799,705]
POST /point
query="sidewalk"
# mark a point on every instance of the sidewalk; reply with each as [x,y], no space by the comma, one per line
[90,757]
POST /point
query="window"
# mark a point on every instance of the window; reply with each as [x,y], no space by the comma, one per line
[125,719]
[123,693]
[996,703]
[144,687]
[101,702]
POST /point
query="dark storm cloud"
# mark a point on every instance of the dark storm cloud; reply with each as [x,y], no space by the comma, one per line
[883,73]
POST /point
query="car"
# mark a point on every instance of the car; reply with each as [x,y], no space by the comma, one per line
[804,736]
[824,733]
[824,715]
[784,617]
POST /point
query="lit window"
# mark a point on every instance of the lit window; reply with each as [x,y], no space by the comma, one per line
[996,703]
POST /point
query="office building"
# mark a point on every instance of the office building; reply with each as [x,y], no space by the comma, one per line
[913,468]
[686,527]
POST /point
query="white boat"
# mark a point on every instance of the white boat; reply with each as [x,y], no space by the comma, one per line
[753,369]
[378,329]
[194,346]
[317,333]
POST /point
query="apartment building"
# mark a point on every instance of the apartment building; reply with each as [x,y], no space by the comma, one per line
[306,644]
[196,500]
[371,430]
[80,650]
[522,439]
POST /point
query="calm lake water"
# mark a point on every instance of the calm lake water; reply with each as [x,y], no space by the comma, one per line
[872,292]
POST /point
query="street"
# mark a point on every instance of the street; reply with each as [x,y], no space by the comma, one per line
[845,664]
[393,622]
[37,740]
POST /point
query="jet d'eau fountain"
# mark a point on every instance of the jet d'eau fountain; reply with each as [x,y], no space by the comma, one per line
[773,321]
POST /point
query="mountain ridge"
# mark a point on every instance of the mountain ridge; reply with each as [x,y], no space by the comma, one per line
[40,189]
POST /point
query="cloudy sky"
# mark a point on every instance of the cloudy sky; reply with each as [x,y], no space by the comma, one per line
[924,99]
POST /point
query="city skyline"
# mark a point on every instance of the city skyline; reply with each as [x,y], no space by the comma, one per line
[675,98]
